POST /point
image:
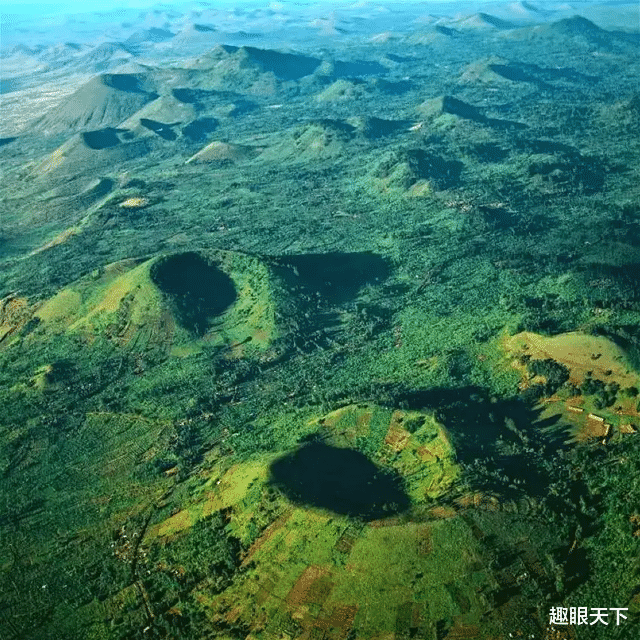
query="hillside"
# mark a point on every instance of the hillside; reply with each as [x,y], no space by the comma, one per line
[104,101]
[163,303]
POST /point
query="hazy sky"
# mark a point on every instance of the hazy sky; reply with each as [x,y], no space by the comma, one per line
[47,8]
[13,6]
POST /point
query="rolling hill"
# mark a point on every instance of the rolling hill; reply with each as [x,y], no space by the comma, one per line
[104,101]
[175,303]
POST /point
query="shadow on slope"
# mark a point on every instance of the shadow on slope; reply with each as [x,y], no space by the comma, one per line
[448,105]
[102,139]
[404,169]
[539,76]
[104,56]
[372,128]
[357,68]
[91,151]
[318,286]
[165,131]
[218,103]
[319,139]
[335,277]
[482,21]
[125,82]
[504,446]
[198,130]
[286,66]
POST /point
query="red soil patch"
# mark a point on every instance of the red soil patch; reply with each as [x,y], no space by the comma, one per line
[593,429]
[462,631]
[425,541]
[442,513]
[478,500]
[425,454]
[387,522]
[309,587]
[233,614]
[553,633]
[397,437]
[468,500]
[259,335]
[332,419]
[266,536]
[265,592]
[338,624]
[345,543]
[14,314]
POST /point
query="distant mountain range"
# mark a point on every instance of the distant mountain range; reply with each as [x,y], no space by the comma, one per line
[297,23]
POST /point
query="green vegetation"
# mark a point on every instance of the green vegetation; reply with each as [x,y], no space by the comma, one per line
[330,353]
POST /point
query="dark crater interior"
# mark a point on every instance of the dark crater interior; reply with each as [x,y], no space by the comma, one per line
[199,290]
[342,480]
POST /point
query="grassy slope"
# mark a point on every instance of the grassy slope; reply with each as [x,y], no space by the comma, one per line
[312,569]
